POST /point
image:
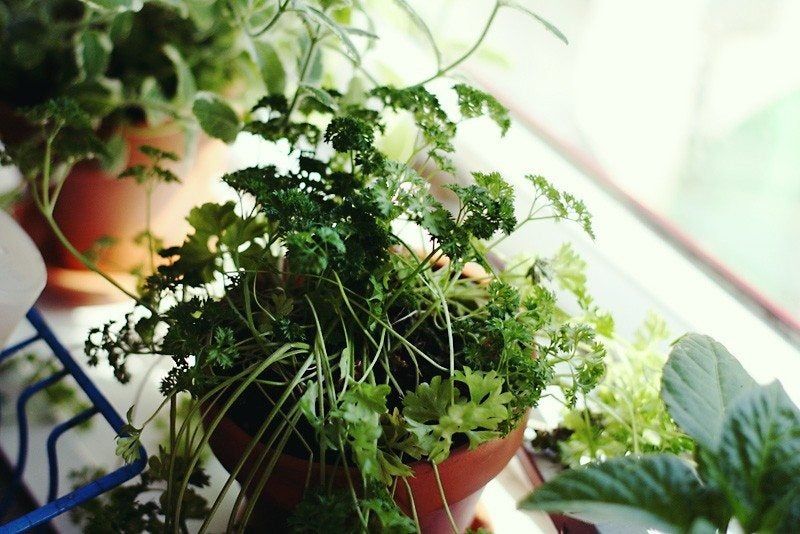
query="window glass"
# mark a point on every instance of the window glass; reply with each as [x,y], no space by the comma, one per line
[692,108]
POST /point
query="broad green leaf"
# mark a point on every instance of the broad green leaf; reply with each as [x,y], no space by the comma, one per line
[116,154]
[99,96]
[700,383]
[120,27]
[216,117]
[92,50]
[757,464]
[544,22]
[659,491]
[186,87]
[271,68]
[153,101]
[321,96]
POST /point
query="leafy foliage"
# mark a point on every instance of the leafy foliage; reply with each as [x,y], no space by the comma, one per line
[747,466]
[300,312]
[624,413]
[130,510]
[394,358]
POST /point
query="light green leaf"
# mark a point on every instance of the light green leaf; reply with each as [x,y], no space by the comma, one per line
[92,50]
[321,96]
[658,491]
[153,101]
[359,32]
[757,464]
[186,87]
[360,408]
[216,117]
[115,5]
[271,68]
[700,383]
[116,154]
[544,22]
[340,32]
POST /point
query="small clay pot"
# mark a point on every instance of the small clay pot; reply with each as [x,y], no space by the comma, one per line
[464,475]
[94,203]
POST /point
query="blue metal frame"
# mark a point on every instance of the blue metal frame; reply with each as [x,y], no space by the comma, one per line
[57,506]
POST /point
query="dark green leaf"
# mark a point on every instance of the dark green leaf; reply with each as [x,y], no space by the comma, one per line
[700,383]
[272,71]
[659,491]
[322,96]
[758,461]
[93,51]
[216,117]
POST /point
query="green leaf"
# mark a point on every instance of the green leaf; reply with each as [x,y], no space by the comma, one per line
[700,383]
[271,68]
[547,24]
[658,491]
[340,32]
[216,117]
[322,96]
[116,154]
[429,401]
[118,6]
[360,408]
[186,87]
[92,50]
[436,412]
[476,103]
[757,464]
[153,102]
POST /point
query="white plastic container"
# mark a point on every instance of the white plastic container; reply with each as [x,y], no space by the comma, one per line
[22,275]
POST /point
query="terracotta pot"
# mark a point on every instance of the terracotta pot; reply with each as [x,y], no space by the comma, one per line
[94,204]
[464,475]
[530,459]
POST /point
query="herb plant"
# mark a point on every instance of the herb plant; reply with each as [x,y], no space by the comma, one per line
[746,467]
[303,298]
[302,312]
[119,62]
[624,413]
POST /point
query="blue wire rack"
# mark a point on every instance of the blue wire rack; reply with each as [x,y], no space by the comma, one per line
[99,405]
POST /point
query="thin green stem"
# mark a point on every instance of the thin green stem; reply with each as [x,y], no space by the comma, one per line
[444,498]
[444,70]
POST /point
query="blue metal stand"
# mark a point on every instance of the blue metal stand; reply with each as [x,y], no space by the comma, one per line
[58,505]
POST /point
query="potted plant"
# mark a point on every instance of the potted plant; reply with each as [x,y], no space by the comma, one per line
[744,475]
[623,414]
[135,69]
[345,375]
[336,368]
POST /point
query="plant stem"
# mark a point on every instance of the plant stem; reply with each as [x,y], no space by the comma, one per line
[444,498]
[312,46]
[444,70]
[413,505]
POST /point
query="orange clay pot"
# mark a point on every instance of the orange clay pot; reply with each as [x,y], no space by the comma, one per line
[94,204]
[464,475]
